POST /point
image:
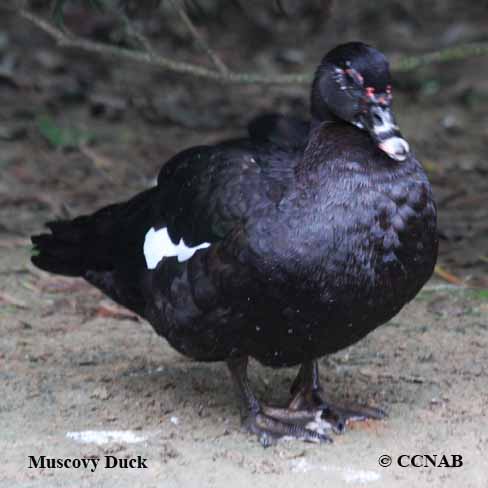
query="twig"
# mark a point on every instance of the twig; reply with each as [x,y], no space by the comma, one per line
[454,53]
[135,33]
[214,57]
[389,376]
[148,56]
[11,300]
[442,287]
[65,40]
[449,277]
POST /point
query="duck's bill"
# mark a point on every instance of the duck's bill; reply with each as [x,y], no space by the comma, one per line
[396,147]
[380,122]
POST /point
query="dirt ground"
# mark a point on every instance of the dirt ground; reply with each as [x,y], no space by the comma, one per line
[78,132]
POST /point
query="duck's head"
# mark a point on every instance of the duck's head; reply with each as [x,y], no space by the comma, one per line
[353,84]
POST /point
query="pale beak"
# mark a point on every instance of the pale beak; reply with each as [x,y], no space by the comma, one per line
[380,122]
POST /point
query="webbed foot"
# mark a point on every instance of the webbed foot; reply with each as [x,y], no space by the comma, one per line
[269,429]
[308,416]
[307,394]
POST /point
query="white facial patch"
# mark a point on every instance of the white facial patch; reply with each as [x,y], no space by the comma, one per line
[158,245]
[387,124]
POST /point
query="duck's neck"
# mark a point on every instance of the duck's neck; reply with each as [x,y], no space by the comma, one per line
[322,115]
[313,154]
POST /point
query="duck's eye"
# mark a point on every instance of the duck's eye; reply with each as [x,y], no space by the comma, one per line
[341,79]
[349,80]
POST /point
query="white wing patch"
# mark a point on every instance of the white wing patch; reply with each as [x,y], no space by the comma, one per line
[158,245]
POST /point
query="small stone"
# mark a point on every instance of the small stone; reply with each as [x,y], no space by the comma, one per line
[452,124]
[291,56]
[100,393]
[12,133]
[49,60]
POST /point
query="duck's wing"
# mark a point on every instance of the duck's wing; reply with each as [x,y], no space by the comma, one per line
[279,129]
[208,191]
[204,198]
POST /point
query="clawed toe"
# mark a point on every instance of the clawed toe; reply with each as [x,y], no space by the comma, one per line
[307,395]
[269,430]
[308,417]
[338,417]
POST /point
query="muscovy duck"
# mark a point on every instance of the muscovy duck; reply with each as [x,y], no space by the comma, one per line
[284,246]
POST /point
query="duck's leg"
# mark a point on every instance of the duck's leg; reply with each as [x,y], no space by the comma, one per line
[307,394]
[258,419]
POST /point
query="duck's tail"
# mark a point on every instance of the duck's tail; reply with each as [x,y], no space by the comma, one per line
[90,242]
[71,249]
[104,248]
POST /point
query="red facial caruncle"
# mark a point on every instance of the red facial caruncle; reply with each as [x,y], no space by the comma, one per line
[381,98]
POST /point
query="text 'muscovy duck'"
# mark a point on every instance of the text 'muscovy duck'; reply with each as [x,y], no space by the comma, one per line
[284,246]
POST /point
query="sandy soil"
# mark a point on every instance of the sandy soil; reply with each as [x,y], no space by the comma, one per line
[71,362]
[61,374]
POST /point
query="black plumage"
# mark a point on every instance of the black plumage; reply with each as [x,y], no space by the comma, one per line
[315,233]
